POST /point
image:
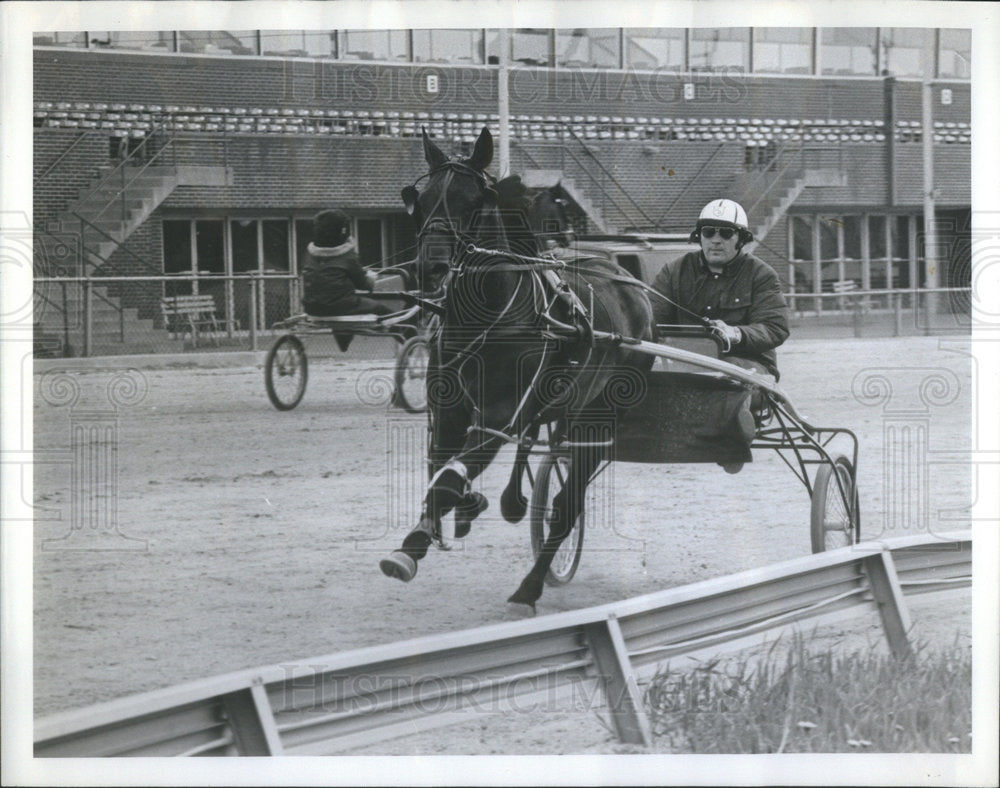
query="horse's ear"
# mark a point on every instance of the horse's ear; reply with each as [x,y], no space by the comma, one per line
[409,195]
[482,154]
[435,158]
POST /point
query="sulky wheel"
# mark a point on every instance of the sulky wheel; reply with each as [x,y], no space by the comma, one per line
[551,478]
[286,372]
[411,375]
[833,524]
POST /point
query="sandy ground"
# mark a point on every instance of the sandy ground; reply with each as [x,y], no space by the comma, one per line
[231,535]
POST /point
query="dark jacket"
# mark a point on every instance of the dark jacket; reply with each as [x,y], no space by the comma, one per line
[746,294]
[330,279]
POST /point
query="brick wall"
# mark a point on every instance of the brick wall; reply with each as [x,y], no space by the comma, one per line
[247,82]
[54,191]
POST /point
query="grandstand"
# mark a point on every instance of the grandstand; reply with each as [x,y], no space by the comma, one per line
[176,162]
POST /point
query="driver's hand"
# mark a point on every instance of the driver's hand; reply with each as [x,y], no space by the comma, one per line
[371,277]
[732,334]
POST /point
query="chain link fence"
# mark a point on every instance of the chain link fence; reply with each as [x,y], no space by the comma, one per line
[98,316]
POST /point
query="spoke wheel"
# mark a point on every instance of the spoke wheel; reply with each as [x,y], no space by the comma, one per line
[286,372]
[551,478]
[411,375]
[834,523]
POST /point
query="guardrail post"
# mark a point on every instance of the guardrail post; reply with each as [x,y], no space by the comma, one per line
[253,313]
[87,317]
[888,595]
[252,721]
[620,688]
[897,314]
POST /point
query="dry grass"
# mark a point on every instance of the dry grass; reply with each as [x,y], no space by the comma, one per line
[826,702]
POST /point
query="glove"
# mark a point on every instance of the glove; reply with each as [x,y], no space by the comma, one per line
[731,334]
[371,277]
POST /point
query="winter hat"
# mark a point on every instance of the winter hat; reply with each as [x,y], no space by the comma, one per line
[331,228]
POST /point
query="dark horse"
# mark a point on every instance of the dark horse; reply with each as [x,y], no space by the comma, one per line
[516,349]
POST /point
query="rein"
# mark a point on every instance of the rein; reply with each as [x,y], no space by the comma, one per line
[560,265]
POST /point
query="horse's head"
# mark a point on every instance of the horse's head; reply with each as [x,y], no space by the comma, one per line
[455,206]
[548,217]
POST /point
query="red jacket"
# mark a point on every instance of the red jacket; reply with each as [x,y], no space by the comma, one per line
[746,294]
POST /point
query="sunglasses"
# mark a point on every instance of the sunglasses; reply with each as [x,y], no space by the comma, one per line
[725,233]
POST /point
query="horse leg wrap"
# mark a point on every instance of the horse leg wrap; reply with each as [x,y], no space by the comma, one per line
[468,509]
[446,490]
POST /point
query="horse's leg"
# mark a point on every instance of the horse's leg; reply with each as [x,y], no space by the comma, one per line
[448,489]
[566,506]
[513,503]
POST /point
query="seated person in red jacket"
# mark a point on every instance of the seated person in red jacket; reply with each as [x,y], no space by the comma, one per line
[333,275]
[738,292]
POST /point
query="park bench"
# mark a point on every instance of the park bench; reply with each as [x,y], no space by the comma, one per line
[192,313]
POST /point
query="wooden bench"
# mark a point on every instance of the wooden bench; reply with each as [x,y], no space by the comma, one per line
[191,312]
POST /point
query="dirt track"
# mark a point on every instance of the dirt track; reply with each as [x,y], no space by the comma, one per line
[263,530]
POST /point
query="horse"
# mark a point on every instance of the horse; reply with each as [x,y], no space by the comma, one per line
[516,348]
[547,216]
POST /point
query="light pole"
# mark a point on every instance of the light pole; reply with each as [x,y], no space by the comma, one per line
[503,102]
[932,275]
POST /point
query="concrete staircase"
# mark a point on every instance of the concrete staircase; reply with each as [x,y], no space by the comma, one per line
[95,226]
[546,179]
[766,213]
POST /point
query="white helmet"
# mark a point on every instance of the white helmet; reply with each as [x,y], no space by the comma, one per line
[724,213]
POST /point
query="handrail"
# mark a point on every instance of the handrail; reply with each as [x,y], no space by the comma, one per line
[610,175]
[798,153]
[51,168]
[121,168]
[691,180]
[119,245]
[334,702]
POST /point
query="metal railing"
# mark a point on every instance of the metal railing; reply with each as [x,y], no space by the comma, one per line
[336,702]
[245,315]
[691,181]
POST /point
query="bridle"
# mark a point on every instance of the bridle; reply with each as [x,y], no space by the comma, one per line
[446,225]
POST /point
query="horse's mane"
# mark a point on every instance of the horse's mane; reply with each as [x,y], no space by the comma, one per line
[514,204]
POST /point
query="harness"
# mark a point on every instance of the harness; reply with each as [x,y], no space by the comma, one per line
[548,288]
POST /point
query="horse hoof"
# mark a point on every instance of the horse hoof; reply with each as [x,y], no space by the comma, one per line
[399,565]
[516,611]
[472,506]
[513,507]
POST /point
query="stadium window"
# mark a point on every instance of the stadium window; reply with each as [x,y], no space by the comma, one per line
[720,49]
[655,48]
[209,246]
[300,43]
[275,244]
[60,39]
[151,41]
[907,51]
[847,50]
[448,46]
[955,53]
[783,50]
[800,243]
[369,239]
[219,42]
[529,45]
[243,239]
[899,227]
[588,48]
[177,257]
[877,252]
[375,45]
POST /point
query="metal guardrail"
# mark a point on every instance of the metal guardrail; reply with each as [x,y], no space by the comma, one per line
[340,701]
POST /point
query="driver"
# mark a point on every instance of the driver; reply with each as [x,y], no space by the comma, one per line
[333,273]
[738,293]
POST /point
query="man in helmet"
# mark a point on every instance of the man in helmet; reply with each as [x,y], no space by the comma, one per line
[739,293]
